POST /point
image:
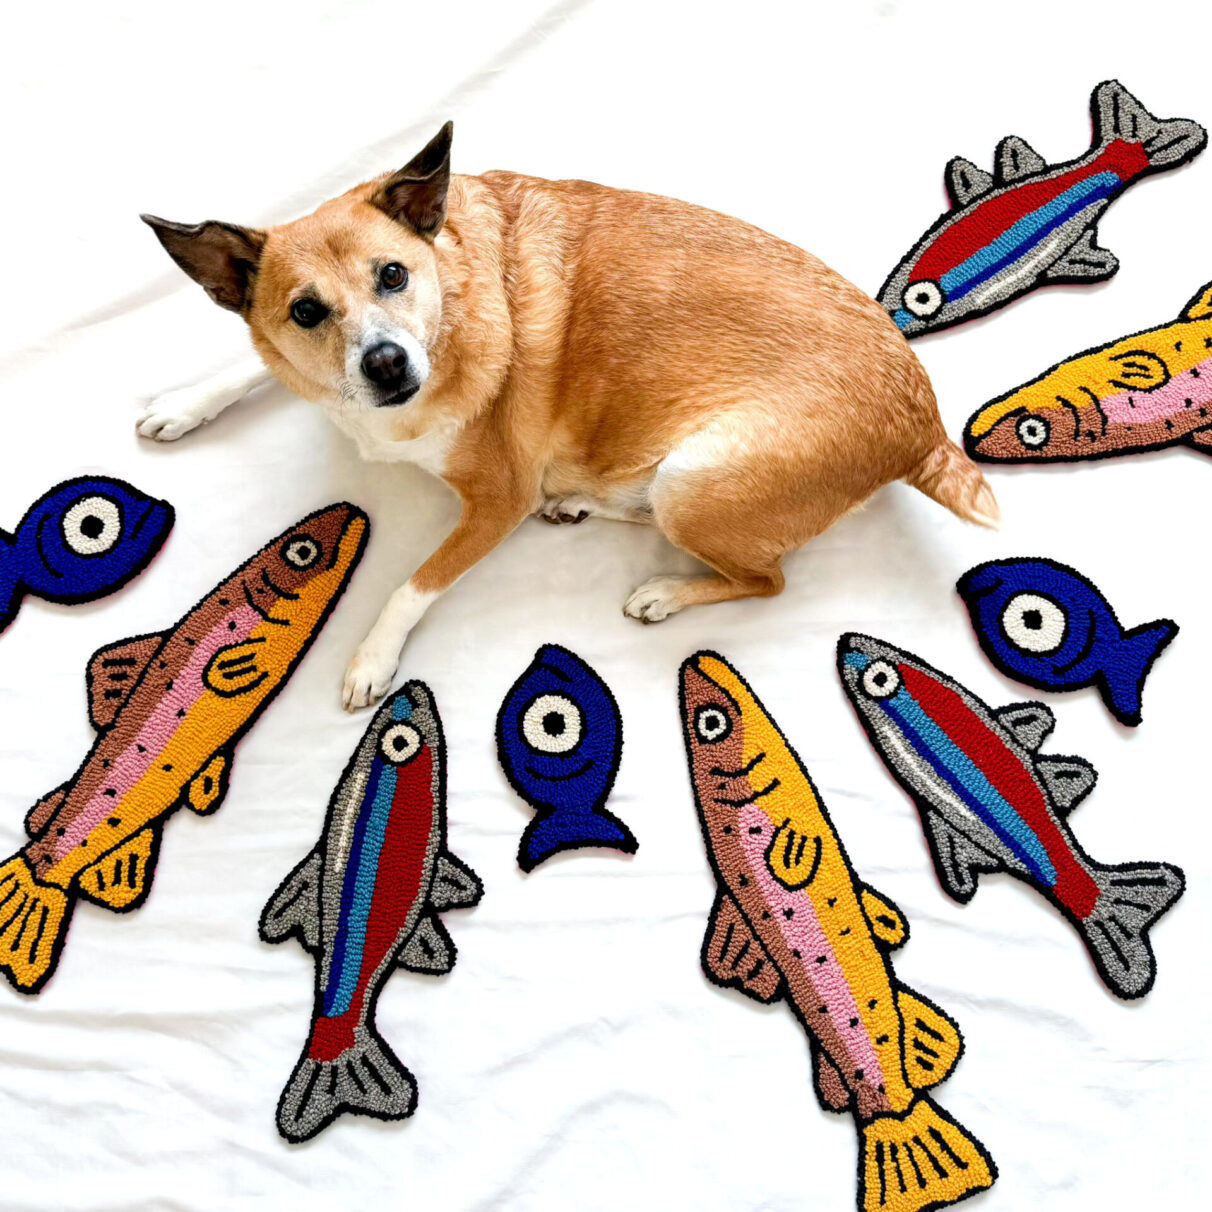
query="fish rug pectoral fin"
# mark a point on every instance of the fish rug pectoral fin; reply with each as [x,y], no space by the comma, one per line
[294,907]
[236,669]
[429,950]
[121,879]
[1200,440]
[1030,724]
[933,1042]
[957,858]
[793,857]
[207,788]
[112,673]
[1200,308]
[885,919]
[1069,780]
[831,1090]
[964,181]
[455,885]
[1085,261]
[33,925]
[38,817]
[1015,158]
[734,957]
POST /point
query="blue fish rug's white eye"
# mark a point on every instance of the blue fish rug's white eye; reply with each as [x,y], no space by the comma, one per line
[922,299]
[552,724]
[1033,432]
[400,743]
[1034,623]
[881,680]
[302,552]
[712,723]
[92,526]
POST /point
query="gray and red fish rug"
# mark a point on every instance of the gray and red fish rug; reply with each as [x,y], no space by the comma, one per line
[168,709]
[364,902]
[81,540]
[990,801]
[1143,392]
[1028,223]
[1048,626]
[792,921]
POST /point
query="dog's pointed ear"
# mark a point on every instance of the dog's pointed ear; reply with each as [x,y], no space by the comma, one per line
[220,257]
[416,195]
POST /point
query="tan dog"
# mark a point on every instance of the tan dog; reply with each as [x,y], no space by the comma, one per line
[561,347]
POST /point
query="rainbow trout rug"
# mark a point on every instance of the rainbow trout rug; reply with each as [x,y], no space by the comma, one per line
[364,902]
[1045,624]
[80,541]
[1028,223]
[989,801]
[793,921]
[1143,392]
[169,709]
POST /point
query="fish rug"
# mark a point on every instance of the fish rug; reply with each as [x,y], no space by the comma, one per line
[169,709]
[559,741]
[792,921]
[990,801]
[80,541]
[1028,223]
[1143,392]
[1043,623]
[365,902]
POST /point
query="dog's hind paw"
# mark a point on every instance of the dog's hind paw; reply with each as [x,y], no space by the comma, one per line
[656,599]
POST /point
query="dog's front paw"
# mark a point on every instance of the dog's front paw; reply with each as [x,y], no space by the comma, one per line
[655,600]
[368,677]
[174,414]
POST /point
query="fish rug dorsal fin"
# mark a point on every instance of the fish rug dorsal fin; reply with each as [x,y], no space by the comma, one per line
[933,1043]
[1068,779]
[122,879]
[1030,724]
[1200,307]
[885,919]
[207,788]
[430,949]
[1016,158]
[38,817]
[965,181]
[455,885]
[112,674]
[734,957]
[831,1090]
[294,909]
[1085,261]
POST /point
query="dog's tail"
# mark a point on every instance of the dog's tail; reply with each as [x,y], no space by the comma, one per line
[948,476]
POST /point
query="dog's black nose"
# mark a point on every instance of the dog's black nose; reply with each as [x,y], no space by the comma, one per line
[385,365]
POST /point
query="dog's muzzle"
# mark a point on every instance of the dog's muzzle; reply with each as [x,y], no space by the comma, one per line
[389,368]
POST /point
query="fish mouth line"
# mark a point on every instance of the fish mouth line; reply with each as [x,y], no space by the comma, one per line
[720,773]
[42,551]
[248,597]
[559,778]
[750,799]
[977,594]
[282,593]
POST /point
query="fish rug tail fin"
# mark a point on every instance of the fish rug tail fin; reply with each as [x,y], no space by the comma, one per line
[1123,683]
[548,835]
[1116,932]
[922,1159]
[364,1079]
[948,476]
[10,583]
[1167,142]
[33,924]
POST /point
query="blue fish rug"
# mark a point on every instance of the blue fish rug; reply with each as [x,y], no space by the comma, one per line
[1044,624]
[559,741]
[81,540]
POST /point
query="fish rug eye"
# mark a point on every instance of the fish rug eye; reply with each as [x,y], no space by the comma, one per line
[82,540]
[560,741]
[990,801]
[1044,624]
[1029,223]
[792,921]
[168,707]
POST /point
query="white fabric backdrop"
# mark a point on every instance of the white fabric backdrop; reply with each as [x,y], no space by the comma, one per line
[576,1057]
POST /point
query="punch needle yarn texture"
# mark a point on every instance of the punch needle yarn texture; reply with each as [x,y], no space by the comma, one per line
[559,741]
[990,801]
[364,902]
[1146,391]
[80,541]
[1045,624]
[169,709]
[793,921]
[1028,223]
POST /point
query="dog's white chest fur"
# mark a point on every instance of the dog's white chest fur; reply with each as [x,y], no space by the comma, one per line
[372,430]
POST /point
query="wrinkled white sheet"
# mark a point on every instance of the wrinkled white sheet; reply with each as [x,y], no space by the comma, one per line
[576,1057]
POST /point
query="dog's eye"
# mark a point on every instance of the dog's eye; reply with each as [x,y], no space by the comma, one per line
[307,312]
[393,276]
